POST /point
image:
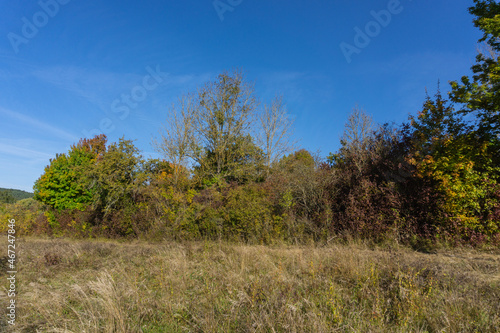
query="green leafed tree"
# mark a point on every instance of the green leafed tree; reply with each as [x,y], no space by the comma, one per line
[64,184]
[6,197]
[211,129]
[436,123]
[443,151]
[479,94]
[115,177]
[479,97]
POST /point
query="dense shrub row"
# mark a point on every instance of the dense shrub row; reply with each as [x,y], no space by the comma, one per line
[376,193]
[379,186]
[434,179]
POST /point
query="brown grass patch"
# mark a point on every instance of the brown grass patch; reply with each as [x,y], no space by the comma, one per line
[104,286]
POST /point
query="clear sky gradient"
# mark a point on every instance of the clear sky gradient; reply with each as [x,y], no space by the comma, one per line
[73,68]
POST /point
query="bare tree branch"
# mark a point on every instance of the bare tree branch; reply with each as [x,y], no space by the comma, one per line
[357,134]
[276,131]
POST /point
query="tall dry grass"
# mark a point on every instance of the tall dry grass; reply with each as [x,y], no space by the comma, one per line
[104,286]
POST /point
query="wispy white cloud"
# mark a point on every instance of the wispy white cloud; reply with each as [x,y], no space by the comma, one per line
[39,125]
[286,83]
[24,152]
[100,88]
[93,86]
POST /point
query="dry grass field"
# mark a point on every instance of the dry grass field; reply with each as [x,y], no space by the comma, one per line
[107,286]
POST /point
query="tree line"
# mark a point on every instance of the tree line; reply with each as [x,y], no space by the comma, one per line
[8,195]
[230,170]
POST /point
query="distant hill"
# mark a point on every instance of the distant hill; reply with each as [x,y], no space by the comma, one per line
[11,195]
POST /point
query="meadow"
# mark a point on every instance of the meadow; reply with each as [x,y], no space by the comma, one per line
[68,285]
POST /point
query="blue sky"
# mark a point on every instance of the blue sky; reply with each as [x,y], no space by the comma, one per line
[68,68]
